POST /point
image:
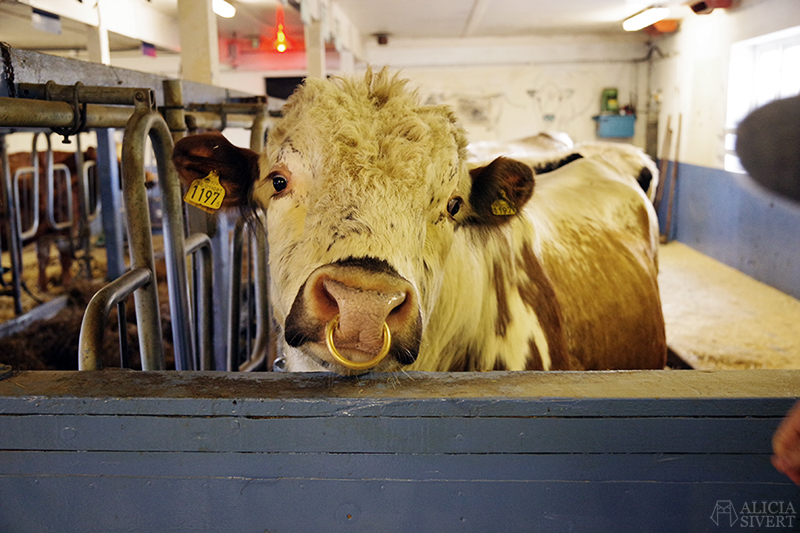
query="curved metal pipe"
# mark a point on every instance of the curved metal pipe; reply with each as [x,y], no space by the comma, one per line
[27,234]
[200,242]
[144,123]
[93,326]
[51,212]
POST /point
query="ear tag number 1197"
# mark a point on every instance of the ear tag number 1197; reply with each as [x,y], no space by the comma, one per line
[206,193]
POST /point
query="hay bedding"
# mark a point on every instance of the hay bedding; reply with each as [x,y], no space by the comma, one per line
[53,344]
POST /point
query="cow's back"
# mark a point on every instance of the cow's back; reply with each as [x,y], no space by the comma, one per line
[597,238]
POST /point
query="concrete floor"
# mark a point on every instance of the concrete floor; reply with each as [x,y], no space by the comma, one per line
[719,318]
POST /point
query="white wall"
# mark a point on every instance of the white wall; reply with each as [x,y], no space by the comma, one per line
[510,102]
[693,77]
[505,89]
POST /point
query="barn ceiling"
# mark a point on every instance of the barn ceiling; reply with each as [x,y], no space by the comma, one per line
[406,19]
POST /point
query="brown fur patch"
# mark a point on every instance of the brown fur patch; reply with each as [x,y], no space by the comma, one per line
[538,294]
[534,361]
[499,364]
[503,317]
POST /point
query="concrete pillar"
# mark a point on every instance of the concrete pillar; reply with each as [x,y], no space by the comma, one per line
[315,49]
[199,41]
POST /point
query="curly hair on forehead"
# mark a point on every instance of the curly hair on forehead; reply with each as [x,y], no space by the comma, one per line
[380,105]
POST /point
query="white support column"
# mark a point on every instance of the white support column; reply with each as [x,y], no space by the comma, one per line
[315,49]
[97,40]
[199,41]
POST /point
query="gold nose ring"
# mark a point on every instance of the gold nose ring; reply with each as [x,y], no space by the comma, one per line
[353,365]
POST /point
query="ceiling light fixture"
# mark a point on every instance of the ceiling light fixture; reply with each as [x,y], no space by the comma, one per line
[645,18]
[223,9]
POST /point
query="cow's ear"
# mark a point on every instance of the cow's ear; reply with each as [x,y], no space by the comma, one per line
[499,191]
[196,156]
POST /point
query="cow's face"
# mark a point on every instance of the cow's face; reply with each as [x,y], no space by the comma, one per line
[362,188]
[364,191]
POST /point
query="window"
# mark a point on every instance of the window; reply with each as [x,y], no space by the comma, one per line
[762,69]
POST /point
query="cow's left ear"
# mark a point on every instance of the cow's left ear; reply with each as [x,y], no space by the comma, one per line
[196,156]
[499,191]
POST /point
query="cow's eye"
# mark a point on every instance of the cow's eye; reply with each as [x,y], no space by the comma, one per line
[279,182]
[454,205]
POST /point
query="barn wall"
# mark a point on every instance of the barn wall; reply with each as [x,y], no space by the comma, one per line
[719,213]
[508,102]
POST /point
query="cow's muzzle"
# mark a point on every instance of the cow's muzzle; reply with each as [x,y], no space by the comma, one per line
[354,315]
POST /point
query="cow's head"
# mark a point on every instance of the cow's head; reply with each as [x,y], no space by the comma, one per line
[364,191]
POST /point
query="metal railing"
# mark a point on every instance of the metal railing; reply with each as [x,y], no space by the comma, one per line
[69,108]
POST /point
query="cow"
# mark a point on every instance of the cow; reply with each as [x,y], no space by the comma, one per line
[547,151]
[543,143]
[386,251]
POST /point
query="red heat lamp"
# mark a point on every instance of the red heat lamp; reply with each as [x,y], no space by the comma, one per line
[281,42]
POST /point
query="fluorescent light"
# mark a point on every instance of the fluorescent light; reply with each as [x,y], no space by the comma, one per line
[223,9]
[645,18]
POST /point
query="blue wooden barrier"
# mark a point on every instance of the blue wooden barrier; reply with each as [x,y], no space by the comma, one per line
[729,217]
[498,451]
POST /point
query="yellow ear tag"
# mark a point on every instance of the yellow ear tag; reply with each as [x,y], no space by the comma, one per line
[502,206]
[206,193]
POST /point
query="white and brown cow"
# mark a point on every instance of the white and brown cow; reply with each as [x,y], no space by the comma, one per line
[374,218]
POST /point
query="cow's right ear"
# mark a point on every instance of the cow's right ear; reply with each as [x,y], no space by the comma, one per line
[196,156]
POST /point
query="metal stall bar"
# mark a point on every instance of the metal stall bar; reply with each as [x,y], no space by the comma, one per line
[204,283]
[93,326]
[111,200]
[147,122]
[21,113]
[235,301]
[264,346]
[51,196]
[228,261]
[144,123]
[258,354]
[30,202]
[84,236]
[30,232]
[92,206]
[261,348]
[14,247]
[201,286]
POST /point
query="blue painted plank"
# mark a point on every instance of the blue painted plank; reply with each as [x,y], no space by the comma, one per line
[387,435]
[410,504]
[263,465]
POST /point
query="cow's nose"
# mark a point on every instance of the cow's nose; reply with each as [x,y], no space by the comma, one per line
[362,311]
[365,303]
